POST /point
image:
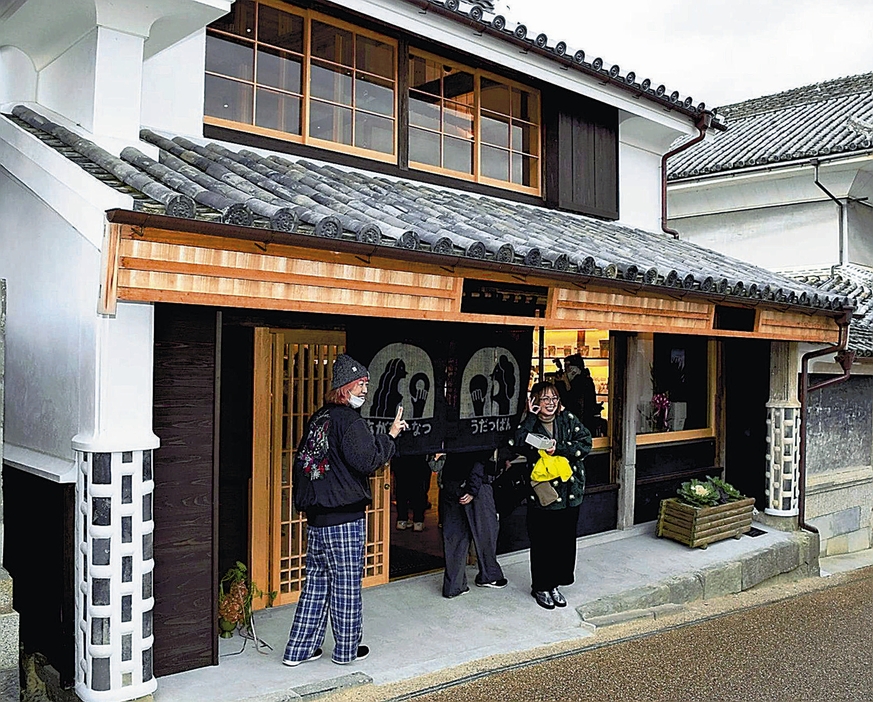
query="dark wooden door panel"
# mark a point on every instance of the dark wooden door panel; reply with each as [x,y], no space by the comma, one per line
[185,504]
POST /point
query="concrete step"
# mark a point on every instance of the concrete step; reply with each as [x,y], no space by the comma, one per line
[787,560]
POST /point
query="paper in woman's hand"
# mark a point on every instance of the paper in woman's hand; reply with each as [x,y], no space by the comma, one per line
[538,441]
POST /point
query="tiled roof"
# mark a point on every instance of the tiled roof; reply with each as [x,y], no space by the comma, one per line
[834,117]
[486,17]
[215,183]
[855,282]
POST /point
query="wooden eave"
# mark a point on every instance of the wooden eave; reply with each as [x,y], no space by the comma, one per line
[156,258]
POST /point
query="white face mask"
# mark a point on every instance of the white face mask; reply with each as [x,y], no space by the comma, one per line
[356,401]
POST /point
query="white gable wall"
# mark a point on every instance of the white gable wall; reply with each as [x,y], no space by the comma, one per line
[172,100]
[17,76]
[51,275]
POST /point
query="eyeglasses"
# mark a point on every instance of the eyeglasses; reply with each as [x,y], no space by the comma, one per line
[549,400]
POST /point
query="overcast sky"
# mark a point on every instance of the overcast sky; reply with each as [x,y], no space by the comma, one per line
[717,51]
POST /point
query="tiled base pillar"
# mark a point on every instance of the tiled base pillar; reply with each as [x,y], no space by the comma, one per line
[114,576]
[783,451]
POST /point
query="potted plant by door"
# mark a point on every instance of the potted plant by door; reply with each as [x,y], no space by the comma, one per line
[235,594]
[705,511]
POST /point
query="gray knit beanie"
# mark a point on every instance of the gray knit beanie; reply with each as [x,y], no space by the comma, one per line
[346,369]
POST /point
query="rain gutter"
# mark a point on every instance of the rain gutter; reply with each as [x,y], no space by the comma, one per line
[845,358]
[702,125]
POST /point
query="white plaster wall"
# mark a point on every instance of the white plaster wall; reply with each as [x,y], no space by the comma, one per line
[17,76]
[860,235]
[801,235]
[172,100]
[72,97]
[639,188]
[51,274]
[118,84]
[119,416]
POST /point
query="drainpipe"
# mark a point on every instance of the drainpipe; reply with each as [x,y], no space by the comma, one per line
[815,164]
[702,125]
[845,358]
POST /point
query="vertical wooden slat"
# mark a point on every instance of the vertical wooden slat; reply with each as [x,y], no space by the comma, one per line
[259,541]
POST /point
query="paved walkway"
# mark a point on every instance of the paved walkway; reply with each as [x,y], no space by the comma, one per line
[413,631]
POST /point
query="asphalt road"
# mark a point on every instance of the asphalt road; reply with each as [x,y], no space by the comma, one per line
[816,647]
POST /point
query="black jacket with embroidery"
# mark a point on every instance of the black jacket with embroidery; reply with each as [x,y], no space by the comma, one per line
[342,494]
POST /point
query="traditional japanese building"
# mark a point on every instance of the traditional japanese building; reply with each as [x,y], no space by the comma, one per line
[788,187]
[205,201]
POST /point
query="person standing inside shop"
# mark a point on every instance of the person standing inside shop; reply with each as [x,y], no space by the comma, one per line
[467,512]
[335,459]
[555,443]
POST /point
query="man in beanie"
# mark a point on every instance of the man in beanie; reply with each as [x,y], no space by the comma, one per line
[331,484]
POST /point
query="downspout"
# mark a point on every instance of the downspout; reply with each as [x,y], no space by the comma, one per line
[845,358]
[702,125]
[815,164]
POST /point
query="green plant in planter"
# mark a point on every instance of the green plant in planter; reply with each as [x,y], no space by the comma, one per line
[707,493]
[235,595]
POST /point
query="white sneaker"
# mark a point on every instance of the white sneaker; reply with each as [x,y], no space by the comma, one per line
[402,524]
[417,526]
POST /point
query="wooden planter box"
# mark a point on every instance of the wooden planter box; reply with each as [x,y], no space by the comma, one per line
[700,526]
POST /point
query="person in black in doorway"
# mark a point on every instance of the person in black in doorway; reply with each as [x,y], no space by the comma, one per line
[467,512]
[578,393]
[411,484]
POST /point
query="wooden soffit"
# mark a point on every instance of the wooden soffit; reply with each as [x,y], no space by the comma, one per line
[147,263]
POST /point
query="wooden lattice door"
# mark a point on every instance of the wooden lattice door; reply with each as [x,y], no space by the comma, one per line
[292,372]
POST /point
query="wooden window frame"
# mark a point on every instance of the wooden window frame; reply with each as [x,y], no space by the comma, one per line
[476,176]
[304,138]
[707,432]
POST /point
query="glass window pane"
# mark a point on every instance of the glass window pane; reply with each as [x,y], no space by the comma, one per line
[424,147]
[240,20]
[495,163]
[424,111]
[458,155]
[280,70]
[458,121]
[331,83]
[278,111]
[374,95]
[525,105]
[332,43]
[228,99]
[525,138]
[330,122]
[425,75]
[375,133]
[230,57]
[375,56]
[495,130]
[525,170]
[280,29]
[675,388]
[458,86]
[494,96]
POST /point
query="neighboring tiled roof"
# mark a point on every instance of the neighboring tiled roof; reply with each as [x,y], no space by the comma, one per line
[485,16]
[833,117]
[855,282]
[244,188]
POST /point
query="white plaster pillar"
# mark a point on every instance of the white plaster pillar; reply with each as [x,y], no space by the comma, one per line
[114,562]
[783,432]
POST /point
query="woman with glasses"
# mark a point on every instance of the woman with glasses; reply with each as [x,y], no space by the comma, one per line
[547,431]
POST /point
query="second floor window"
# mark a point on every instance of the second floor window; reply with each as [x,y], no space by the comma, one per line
[302,77]
[472,125]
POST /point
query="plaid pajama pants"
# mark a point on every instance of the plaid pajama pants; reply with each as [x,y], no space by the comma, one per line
[334,570]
